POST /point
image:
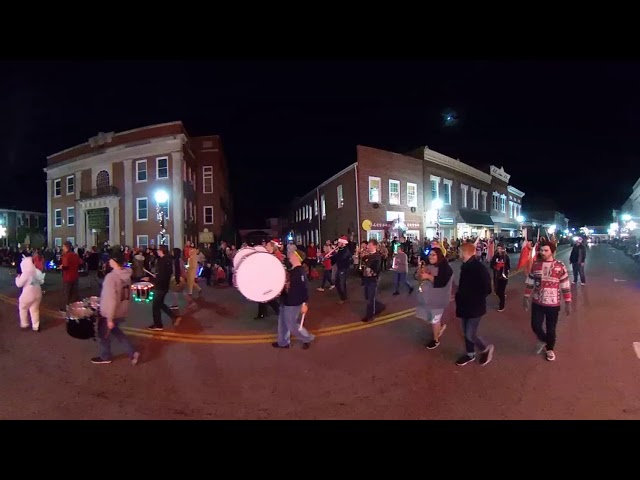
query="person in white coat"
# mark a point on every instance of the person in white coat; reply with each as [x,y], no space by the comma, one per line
[29,303]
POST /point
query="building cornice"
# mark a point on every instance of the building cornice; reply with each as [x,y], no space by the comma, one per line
[457,165]
[499,173]
[10,210]
[515,191]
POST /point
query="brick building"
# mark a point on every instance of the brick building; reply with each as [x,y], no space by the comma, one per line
[22,227]
[386,194]
[104,189]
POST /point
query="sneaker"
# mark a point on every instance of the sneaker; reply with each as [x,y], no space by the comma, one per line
[432,345]
[501,309]
[320,289]
[135,358]
[305,346]
[332,287]
[155,328]
[277,345]
[540,347]
[486,356]
[98,360]
[550,355]
[366,319]
[583,283]
[573,282]
[464,359]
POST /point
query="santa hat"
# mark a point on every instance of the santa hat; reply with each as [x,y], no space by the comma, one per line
[276,242]
[343,240]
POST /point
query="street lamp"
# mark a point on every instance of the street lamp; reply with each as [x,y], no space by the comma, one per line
[437,205]
[626,217]
[161,197]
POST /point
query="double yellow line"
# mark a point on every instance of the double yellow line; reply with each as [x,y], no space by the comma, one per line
[239,339]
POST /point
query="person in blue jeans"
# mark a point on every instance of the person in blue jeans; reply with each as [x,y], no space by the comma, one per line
[114,307]
[401,269]
[293,303]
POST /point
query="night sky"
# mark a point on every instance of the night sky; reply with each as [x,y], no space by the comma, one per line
[564,130]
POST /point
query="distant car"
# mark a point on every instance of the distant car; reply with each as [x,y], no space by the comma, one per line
[514,244]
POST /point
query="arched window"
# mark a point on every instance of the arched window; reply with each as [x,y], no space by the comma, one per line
[102,181]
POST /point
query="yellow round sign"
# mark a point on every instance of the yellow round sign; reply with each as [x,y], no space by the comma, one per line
[366,225]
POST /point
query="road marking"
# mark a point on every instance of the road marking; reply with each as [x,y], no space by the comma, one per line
[616,280]
[636,347]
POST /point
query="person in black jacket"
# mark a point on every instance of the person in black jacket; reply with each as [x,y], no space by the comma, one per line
[501,266]
[342,260]
[293,302]
[471,304]
[162,280]
[372,266]
[577,258]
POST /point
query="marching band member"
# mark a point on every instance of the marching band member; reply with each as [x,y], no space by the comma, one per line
[293,302]
[372,266]
[272,248]
[342,260]
[114,306]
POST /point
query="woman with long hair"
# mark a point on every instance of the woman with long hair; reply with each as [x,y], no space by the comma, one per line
[436,281]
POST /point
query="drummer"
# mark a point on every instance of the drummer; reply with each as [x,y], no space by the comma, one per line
[114,307]
[272,248]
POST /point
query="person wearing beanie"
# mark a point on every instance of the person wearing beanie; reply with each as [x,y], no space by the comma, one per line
[114,307]
[342,260]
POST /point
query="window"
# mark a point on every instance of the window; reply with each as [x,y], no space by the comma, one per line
[447,184]
[72,240]
[315,206]
[503,204]
[412,195]
[484,201]
[475,197]
[375,234]
[162,167]
[142,241]
[142,209]
[141,171]
[310,212]
[207,179]
[71,185]
[103,181]
[57,187]
[208,215]
[323,207]
[374,189]
[340,197]
[463,192]
[395,216]
[71,216]
[167,240]
[435,187]
[394,192]
[57,242]
[496,196]
[165,209]
[58,217]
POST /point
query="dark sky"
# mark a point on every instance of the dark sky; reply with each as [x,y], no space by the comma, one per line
[563,130]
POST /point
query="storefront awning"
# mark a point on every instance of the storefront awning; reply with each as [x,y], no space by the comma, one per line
[509,226]
[475,218]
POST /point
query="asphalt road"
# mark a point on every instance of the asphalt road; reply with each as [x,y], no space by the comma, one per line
[381,372]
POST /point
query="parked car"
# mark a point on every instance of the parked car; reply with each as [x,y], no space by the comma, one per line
[513,244]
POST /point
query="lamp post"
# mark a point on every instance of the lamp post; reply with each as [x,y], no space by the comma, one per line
[161,197]
[437,205]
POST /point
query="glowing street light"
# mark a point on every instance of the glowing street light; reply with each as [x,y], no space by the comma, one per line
[626,217]
[3,231]
[161,197]
[520,219]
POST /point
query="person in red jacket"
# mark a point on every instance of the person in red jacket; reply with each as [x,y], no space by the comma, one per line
[70,276]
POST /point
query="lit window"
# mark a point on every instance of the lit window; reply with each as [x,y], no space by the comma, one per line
[374,189]
[394,192]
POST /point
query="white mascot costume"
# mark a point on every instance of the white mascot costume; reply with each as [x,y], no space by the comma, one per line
[30,280]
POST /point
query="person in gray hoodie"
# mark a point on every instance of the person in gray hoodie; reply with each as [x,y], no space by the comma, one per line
[114,307]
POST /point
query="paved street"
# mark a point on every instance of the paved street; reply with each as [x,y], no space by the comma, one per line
[219,364]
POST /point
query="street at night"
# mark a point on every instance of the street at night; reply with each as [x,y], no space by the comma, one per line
[219,363]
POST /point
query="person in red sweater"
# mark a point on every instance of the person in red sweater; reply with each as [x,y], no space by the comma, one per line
[546,283]
[70,276]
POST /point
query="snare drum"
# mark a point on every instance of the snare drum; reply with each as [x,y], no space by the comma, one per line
[142,292]
[93,303]
[81,322]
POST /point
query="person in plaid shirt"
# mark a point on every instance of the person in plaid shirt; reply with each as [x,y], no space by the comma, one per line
[546,283]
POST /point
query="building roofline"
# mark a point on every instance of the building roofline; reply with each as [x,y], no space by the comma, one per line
[22,211]
[454,164]
[515,191]
[116,135]
[341,172]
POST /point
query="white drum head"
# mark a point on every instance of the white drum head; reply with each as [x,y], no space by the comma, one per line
[260,277]
[260,248]
[240,254]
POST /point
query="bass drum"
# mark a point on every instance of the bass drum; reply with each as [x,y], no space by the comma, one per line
[243,252]
[260,248]
[260,277]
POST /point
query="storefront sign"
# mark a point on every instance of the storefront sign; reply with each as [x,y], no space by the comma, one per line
[446,221]
[395,224]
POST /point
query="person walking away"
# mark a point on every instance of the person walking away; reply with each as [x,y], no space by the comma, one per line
[192,272]
[577,258]
[401,269]
[114,307]
[293,303]
[29,302]
[70,276]
[471,304]
[370,276]
[342,260]
[547,282]
[138,266]
[164,271]
[501,266]
[436,282]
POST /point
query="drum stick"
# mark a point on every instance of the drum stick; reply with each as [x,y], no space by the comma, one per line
[302,321]
[147,271]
